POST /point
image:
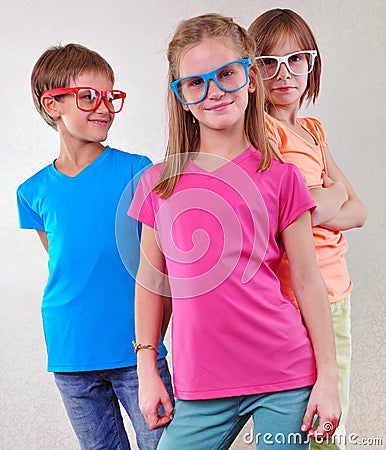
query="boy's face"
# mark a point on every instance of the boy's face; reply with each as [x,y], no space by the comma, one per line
[78,125]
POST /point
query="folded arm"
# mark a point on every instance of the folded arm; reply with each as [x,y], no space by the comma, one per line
[352,213]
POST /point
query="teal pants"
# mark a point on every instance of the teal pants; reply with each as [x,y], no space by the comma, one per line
[215,424]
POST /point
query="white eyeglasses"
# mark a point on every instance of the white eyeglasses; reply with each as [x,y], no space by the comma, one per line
[298,63]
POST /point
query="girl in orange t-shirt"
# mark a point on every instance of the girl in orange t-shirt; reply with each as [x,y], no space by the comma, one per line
[289,61]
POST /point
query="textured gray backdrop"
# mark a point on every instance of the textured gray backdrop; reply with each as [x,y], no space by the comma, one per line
[132,36]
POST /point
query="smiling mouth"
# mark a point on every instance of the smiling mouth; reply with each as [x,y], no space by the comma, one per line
[99,121]
[284,88]
[218,107]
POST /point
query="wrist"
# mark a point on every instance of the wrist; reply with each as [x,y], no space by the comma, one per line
[146,357]
[147,364]
[328,374]
[138,346]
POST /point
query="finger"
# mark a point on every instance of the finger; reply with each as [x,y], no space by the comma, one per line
[326,180]
[307,418]
[168,407]
[156,421]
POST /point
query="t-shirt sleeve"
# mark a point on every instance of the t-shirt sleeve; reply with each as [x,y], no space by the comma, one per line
[28,217]
[144,163]
[142,205]
[294,197]
[317,130]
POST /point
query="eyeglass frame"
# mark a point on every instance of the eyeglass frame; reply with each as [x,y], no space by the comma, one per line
[75,90]
[284,59]
[211,75]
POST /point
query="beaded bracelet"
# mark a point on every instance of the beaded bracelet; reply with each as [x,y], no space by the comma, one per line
[144,346]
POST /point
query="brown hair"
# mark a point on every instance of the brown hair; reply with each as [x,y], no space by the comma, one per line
[58,65]
[183,138]
[274,26]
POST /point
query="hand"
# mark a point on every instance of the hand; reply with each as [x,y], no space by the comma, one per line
[327,181]
[329,199]
[338,186]
[324,402]
[153,394]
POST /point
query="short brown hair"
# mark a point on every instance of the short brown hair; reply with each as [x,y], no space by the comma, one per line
[58,65]
[277,24]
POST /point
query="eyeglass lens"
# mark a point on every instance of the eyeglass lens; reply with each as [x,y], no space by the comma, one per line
[89,99]
[230,78]
[297,63]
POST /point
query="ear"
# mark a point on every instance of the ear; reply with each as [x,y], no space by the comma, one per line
[186,107]
[51,106]
[252,79]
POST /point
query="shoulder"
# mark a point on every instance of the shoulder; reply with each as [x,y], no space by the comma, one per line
[315,127]
[36,179]
[284,169]
[152,173]
[312,124]
[271,124]
[274,129]
[133,159]
[277,171]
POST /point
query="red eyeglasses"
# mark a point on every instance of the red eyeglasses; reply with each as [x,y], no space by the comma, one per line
[88,99]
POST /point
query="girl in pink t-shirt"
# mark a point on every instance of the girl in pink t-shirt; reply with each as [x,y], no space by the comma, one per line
[290,64]
[217,215]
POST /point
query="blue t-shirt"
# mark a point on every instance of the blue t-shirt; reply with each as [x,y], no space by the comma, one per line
[88,302]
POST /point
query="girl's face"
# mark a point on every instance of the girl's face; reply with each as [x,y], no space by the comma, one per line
[285,89]
[219,109]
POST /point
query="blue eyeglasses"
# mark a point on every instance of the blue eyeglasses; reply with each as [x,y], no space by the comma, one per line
[229,77]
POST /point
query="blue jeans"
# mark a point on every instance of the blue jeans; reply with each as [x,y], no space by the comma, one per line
[91,401]
[215,424]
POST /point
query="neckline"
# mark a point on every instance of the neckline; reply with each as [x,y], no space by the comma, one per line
[299,121]
[98,160]
[224,167]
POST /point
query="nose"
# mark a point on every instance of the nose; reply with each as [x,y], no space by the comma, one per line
[214,92]
[102,107]
[283,72]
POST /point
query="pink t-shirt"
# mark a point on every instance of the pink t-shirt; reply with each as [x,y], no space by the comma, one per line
[233,331]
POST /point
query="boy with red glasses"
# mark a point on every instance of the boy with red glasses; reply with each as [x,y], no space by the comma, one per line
[87,306]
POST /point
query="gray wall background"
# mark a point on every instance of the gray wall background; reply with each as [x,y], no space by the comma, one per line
[133,36]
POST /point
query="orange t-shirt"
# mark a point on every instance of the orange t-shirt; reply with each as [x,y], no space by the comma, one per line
[330,246]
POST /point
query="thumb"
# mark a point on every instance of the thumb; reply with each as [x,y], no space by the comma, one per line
[168,407]
[327,181]
[308,418]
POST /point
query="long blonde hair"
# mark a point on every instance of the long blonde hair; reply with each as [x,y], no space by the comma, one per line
[184,135]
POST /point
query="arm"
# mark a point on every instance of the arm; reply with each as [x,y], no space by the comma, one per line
[313,302]
[353,213]
[149,311]
[43,237]
[329,200]
[167,313]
